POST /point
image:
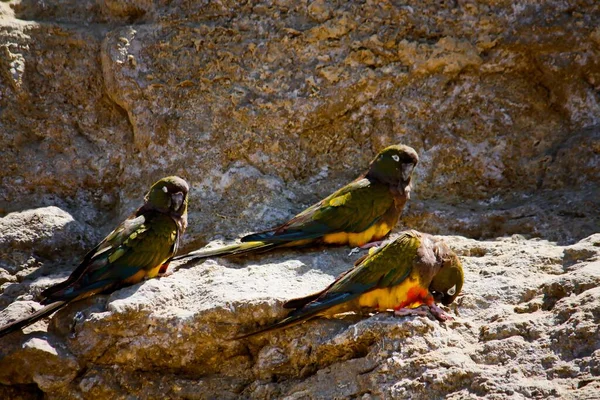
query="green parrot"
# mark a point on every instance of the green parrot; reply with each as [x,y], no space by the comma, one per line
[410,272]
[365,210]
[137,249]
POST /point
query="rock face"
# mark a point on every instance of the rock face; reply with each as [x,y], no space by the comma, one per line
[526,326]
[34,243]
[264,108]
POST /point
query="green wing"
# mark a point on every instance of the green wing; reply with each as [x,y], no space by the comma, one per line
[140,243]
[387,266]
[354,208]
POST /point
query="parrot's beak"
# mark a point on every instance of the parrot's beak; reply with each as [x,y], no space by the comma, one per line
[438,297]
[407,170]
[177,199]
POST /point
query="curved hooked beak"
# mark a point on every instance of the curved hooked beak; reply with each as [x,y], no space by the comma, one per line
[407,170]
[442,298]
[447,300]
[404,184]
[177,200]
[437,296]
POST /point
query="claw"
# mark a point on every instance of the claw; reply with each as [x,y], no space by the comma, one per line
[405,312]
[365,246]
[371,244]
[354,251]
[425,311]
[440,314]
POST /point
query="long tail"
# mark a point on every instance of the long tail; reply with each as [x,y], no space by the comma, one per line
[30,319]
[229,250]
[284,323]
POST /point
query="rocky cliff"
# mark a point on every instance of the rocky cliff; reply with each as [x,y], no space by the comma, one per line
[264,108]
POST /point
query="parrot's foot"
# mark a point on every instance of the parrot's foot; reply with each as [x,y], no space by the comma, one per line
[354,251]
[165,274]
[405,312]
[365,246]
[440,314]
[425,311]
[371,244]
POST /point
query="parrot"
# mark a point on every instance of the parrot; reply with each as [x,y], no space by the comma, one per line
[363,211]
[404,275]
[139,248]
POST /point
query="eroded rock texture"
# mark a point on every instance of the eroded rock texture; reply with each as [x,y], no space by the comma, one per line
[527,326]
[264,108]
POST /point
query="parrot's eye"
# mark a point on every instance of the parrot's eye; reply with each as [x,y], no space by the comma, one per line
[396,157]
[164,189]
[451,291]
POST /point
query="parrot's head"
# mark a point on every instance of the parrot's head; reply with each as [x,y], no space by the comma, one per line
[169,195]
[394,166]
[448,282]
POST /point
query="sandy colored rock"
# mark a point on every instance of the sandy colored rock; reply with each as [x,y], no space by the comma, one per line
[170,336]
[40,363]
[43,232]
[35,244]
[265,108]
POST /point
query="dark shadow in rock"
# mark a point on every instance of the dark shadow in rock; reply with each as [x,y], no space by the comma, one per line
[572,256]
[547,214]
[21,392]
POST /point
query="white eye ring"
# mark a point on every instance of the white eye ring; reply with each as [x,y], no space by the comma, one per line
[164,189]
[396,157]
[451,291]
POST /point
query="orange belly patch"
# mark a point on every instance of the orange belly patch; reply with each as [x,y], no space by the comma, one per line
[375,232]
[408,293]
[417,296]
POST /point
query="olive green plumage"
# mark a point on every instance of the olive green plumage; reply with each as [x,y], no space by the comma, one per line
[410,271]
[448,282]
[137,249]
[365,210]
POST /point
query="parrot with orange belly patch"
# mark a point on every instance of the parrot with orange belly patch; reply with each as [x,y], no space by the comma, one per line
[404,275]
[363,211]
[138,249]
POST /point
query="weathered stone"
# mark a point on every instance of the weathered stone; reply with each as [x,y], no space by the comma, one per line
[265,108]
[37,361]
[171,337]
[43,233]
[35,243]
